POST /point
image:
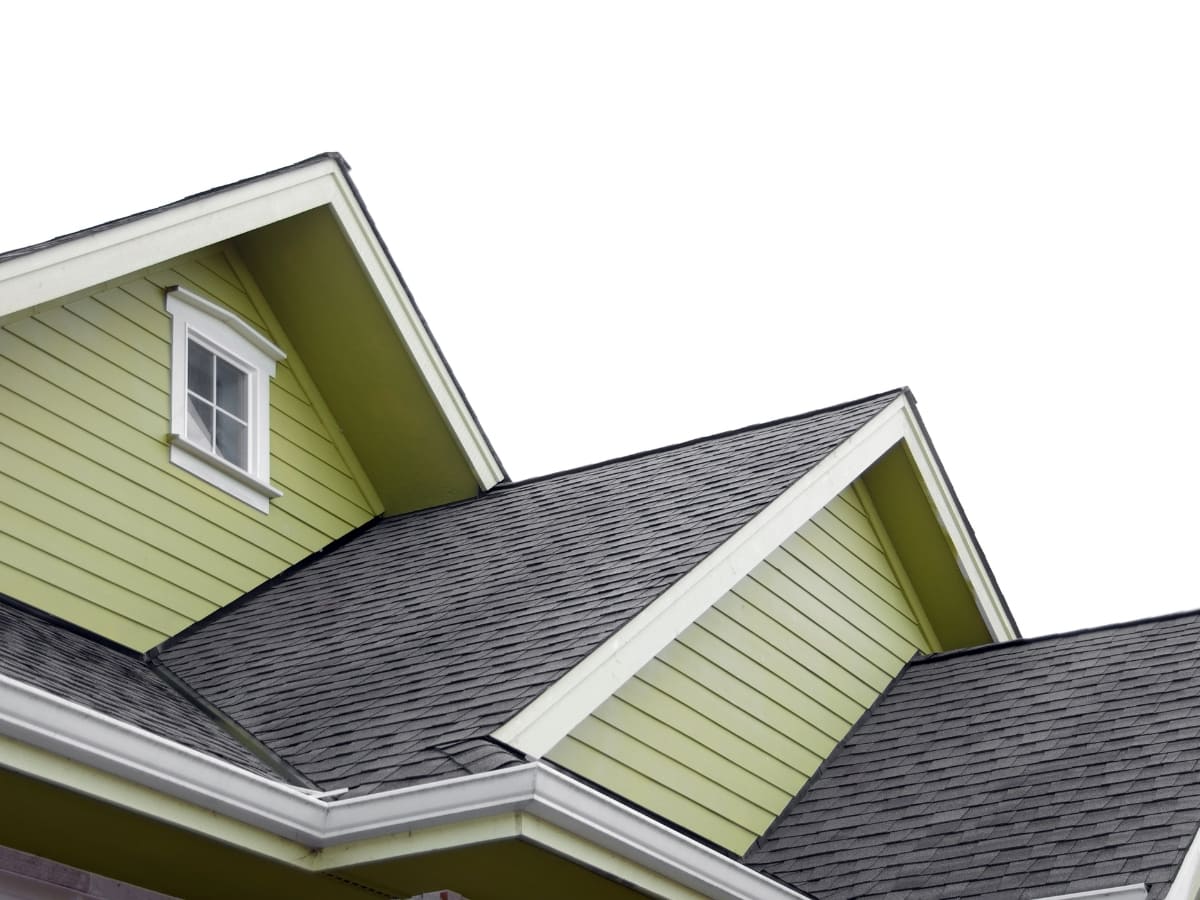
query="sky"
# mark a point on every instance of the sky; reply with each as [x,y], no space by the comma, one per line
[630,224]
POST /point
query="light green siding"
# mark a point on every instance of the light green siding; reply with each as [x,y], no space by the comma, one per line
[96,525]
[725,725]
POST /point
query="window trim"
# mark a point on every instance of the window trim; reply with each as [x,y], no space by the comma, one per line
[229,336]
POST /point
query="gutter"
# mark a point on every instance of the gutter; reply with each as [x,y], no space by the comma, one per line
[47,721]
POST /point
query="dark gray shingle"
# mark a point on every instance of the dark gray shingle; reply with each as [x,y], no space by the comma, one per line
[361,667]
[39,652]
[1022,770]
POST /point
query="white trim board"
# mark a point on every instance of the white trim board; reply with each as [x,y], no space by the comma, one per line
[1128,892]
[566,703]
[66,729]
[1186,885]
[76,264]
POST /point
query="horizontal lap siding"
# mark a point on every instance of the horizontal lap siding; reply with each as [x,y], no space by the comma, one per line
[96,526]
[725,725]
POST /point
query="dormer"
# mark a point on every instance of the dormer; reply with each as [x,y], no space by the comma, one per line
[194,398]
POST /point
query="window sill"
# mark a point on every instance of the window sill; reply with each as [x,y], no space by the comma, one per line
[221,474]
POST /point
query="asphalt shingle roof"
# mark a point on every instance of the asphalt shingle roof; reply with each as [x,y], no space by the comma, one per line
[387,659]
[89,672]
[1023,770]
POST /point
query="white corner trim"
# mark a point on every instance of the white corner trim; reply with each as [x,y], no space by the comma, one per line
[1186,885]
[70,730]
[561,707]
[1128,892]
[62,269]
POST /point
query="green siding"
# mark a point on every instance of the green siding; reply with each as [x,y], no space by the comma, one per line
[725,725]
[96,525]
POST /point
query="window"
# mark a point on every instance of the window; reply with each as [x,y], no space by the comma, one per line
[220,397]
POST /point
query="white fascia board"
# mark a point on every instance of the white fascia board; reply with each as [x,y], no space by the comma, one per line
[538,790]
[62,269]
[608,823]
[1186,885]
[403,312]
[68,729]
[1128,892]
[566,703]
[74,265]
[75,732]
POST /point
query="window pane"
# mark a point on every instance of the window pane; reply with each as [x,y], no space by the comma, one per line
[231,440]
[200,422]
[231,389]
[200,370]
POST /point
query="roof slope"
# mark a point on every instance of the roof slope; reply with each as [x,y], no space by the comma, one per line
[92,673]
[380,661]
[1021,770]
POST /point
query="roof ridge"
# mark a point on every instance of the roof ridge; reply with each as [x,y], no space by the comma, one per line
[146,213]
[743,429]
[1042,638]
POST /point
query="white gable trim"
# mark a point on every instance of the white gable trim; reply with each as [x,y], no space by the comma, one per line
[566,703]
[1186,885]
[47,275]
[66,729]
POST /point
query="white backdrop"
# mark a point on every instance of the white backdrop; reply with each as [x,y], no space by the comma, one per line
[636,223]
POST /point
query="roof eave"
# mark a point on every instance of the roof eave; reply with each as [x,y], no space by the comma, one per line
[65,729]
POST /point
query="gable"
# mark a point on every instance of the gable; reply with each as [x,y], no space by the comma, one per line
[96,526]
[309,243]
[976,610]
[727,722]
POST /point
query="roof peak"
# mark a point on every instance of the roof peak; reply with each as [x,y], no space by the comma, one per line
[17,252]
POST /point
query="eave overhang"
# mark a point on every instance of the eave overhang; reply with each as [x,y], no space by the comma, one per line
[355,831]
[49,272]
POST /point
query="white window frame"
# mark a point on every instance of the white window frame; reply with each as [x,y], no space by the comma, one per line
[228,336]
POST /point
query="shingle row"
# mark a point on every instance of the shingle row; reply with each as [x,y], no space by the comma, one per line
[1023,770]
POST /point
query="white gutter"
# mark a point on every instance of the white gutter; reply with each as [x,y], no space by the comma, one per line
[68,729]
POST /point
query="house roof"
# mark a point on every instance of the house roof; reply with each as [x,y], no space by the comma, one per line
[91,672]
[1021,770]
[389,658]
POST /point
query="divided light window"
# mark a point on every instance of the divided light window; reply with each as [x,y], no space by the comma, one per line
[218,405]
[221,370]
